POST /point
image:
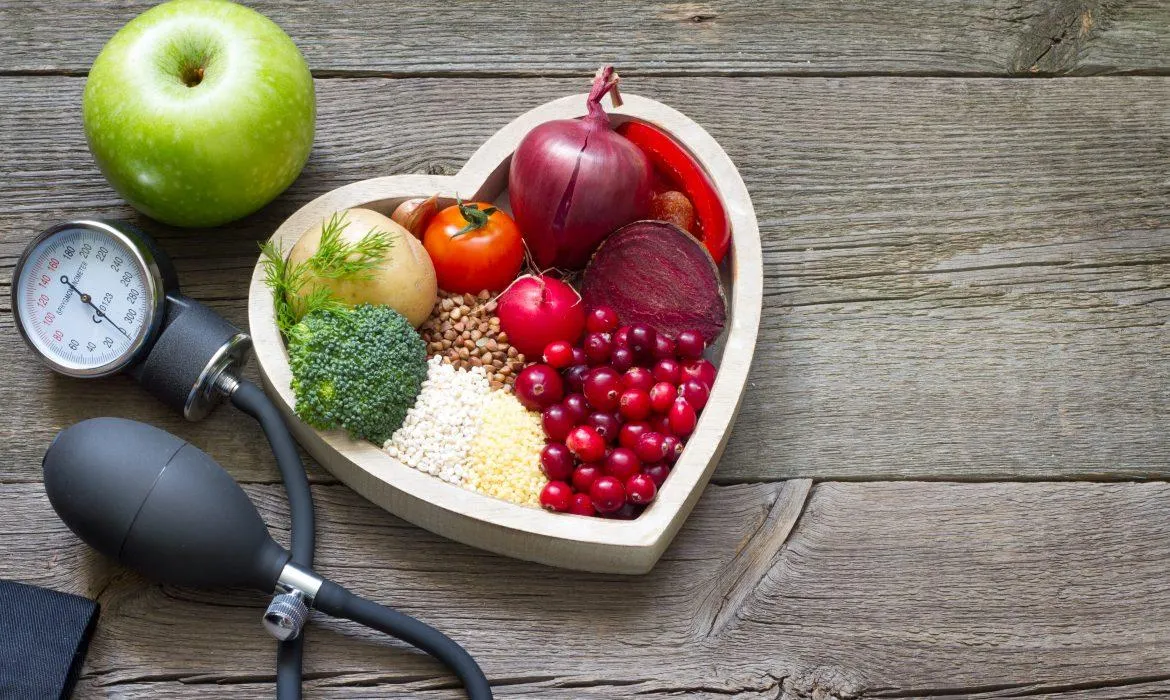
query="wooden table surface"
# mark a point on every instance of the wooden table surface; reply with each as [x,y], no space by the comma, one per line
[948,478]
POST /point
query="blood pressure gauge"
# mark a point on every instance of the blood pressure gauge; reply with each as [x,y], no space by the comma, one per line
[94,298]
[88,297]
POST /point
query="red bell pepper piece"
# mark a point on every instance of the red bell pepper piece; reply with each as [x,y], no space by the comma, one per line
[676,164]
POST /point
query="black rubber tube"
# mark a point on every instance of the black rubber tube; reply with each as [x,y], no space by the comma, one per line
[251,399]
[335,600]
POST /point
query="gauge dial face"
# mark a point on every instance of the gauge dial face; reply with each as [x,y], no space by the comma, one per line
[85,300]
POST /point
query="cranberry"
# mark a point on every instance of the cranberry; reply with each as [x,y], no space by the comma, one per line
[585,475]
[642,341]
[682,418]
[577,406]
[628,511]
[622,463]
[650,447]
[582,504]
[598,347]
[575,377]
[607,493]
[628,435]
[695,392]
[579,356]
[674,448]
[558,354]
[657,472]
[586,443]
[638,378]
[539,386]
[663,347]
[607,425]
[556,496]
[601,319]
[640,489]
[702,370]
[621,339]
[662,395]
[634,404]
[660,422]
[621,359]
[602,388]
[689,345]
[557,421]
[667,370]
[556,461]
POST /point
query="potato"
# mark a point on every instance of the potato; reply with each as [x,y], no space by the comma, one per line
[404,281]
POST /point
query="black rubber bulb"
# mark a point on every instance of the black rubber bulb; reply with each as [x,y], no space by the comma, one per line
[158,505]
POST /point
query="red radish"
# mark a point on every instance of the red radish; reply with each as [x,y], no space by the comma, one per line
[653,273]
[539,386]
[535,311]
[575,181]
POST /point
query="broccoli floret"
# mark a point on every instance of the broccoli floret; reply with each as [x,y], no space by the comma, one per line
[359,369]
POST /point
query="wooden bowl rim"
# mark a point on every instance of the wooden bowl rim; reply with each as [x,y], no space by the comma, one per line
[657,525]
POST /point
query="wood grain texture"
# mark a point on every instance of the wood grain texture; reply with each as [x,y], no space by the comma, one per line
[963,279]
[882,590]
[362,37]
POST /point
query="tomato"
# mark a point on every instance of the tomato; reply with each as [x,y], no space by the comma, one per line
[474,247]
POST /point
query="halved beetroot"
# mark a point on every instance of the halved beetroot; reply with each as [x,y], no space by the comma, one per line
[655,273]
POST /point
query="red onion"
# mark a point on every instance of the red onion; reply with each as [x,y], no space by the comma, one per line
[575,181]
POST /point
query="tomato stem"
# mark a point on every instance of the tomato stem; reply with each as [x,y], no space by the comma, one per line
[476,218]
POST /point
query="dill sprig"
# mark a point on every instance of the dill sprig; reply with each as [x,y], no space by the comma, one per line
[335,259]
[338,259]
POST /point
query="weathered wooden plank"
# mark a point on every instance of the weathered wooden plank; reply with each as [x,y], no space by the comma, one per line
[964,279]
[903,589]
[989,37]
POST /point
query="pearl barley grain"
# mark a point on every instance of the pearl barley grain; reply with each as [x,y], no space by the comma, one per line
[438,431]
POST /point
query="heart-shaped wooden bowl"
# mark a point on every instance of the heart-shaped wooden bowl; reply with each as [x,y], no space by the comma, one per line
[570,541]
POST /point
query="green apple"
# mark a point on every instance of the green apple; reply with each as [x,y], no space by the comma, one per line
[200,112]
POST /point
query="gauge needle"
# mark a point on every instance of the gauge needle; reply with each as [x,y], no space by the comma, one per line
[87,299]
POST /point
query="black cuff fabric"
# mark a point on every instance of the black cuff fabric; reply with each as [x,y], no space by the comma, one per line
[43,639]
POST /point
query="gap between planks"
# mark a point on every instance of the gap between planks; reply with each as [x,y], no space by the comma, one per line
[634,72]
